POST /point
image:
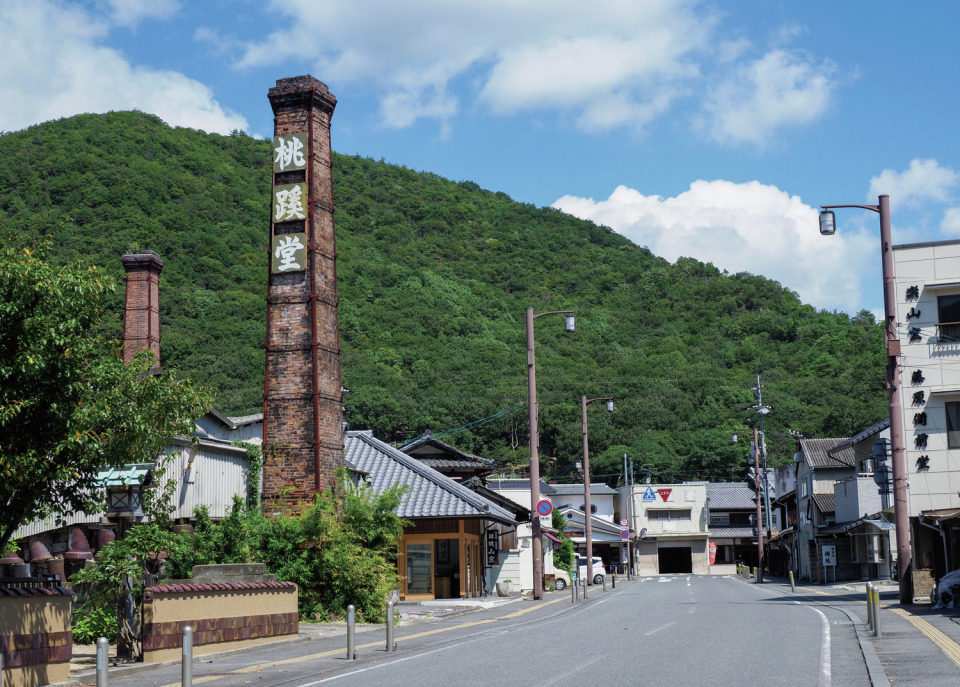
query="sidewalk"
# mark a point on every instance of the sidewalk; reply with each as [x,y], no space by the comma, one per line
[918,645]
[412,614]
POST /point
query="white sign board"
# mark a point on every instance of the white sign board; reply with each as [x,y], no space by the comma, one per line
[829,552]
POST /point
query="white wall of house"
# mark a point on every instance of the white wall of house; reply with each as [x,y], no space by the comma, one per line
[934,269]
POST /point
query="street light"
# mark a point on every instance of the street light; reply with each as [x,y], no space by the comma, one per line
[570,324]
[892,342]
[588,527]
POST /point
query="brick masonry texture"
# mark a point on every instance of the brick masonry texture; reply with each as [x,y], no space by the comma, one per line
[141,313]
[302,440]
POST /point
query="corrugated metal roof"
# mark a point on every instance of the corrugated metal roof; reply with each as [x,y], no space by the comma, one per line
[732,533]
[595,488]
[429,495]
[731,496]
[503,484]
[818,456]
[824,502]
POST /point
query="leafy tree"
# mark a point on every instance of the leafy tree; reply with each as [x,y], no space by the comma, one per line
[68,404]
[433,278]
[563,554]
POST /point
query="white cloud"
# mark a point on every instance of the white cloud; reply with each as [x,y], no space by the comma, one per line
[923,180]
[950,225]
[611,63]
[53,63]
[131,12]
[746,227]
[757,99]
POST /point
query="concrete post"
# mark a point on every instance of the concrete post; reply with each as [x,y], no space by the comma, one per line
[877,626]
[351,628]
[869,605]
[186,667]
[103,661]
[390,645]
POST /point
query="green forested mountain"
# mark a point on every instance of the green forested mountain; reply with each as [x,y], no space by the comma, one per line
[435,276]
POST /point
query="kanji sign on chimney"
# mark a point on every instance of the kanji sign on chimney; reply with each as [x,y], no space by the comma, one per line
[303,415]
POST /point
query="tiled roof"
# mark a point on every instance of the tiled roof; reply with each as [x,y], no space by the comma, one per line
[731,496]
[502,484]
[818,455]
[429,494]
[731,532]
[595,488]
[438,454]
[824,502]
[871,431]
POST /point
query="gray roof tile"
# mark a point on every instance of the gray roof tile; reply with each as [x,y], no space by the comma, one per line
[429,494]
[819,455]
[501,484]
[731,496]
[824,502]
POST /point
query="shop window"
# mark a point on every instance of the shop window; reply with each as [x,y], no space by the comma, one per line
[953,424]
[948,326]
[668,514]
[508,540]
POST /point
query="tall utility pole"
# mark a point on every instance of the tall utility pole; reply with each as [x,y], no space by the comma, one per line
[628,480]
[762,448]
[570,325]
[828,226]
[587,509]
[756,477]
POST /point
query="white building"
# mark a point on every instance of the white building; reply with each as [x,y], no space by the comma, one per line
[927,286]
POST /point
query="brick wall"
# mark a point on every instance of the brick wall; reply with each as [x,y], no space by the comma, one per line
[303,415]
[141,312]
[223,616]
[36,640]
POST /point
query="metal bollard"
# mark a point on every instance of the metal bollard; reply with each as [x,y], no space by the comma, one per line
[351,640]
[584,589]
[390,645]
[869,606]
[877,626]
[793,585]
[614,580]
[573,593]
[186,665]
[604,583]
[103,661]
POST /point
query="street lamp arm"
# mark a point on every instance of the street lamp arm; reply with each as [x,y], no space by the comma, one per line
[601,398]
[554,312]
[874,208]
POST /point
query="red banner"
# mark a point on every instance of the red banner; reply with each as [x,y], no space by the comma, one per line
[713,553]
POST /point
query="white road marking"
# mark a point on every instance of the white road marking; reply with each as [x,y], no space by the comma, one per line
[656,630]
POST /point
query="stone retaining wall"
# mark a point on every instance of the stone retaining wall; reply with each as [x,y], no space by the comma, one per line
[36,641]
[223,616]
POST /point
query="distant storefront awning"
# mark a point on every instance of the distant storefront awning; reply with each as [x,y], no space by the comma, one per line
[869,522]
[132,474]
[940,517]
[555,540]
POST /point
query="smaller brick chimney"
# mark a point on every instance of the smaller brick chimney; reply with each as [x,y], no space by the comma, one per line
[141,310]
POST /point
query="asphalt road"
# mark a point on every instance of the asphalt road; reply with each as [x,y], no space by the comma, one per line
[660,630]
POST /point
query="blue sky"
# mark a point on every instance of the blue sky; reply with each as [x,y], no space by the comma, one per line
[706,129]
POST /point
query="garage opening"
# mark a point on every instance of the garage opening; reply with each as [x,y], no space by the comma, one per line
[675,560]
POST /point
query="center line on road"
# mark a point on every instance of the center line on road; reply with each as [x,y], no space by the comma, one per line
[662,627]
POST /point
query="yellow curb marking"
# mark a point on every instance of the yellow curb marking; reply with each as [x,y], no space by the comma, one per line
[947,645]
[342,650]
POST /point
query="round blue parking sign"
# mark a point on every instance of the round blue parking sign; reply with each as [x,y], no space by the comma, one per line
[544,508]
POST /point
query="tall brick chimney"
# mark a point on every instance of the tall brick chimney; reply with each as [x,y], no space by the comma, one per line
[141,310]
[302,414]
